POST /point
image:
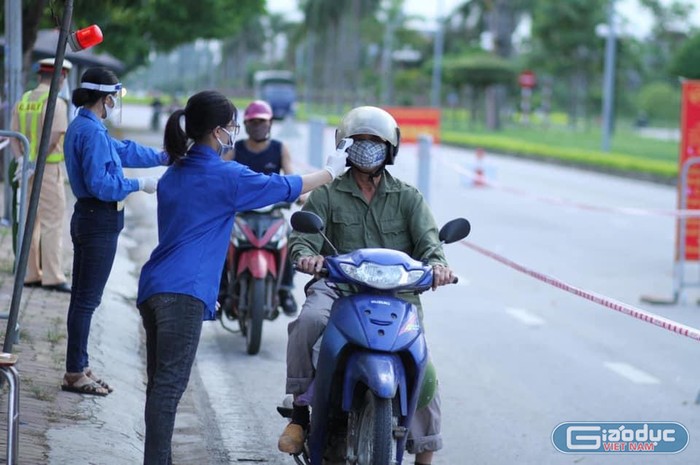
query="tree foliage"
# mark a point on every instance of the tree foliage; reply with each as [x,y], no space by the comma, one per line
[477,69]
[671,20]
[659,102]
[686,62]
[134,28]
[565,33]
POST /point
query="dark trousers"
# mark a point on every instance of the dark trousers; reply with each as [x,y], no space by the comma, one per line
[94,229]
[173,324]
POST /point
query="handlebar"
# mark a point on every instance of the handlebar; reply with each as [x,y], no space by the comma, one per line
[323,273]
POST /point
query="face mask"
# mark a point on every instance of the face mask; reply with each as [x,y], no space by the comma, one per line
[113,113]
[259,132]
[367,154]
[226,147]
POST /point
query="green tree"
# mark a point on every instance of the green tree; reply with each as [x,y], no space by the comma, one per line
[565,44]
[134,28]
[686,62]
[477,70]
[659,102]
[334,35]
[498,18]
[668,33]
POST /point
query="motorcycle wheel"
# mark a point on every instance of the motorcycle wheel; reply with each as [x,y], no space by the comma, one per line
[240,301]
[370,431]
[255,316]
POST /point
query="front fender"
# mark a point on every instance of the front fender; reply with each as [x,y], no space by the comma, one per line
[258,262]
[383,374]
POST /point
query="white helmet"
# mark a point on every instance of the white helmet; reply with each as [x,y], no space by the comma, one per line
[372,121]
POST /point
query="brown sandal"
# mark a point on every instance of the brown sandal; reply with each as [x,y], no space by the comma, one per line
[83,385]
[89,373]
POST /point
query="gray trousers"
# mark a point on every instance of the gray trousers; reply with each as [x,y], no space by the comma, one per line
[424,433]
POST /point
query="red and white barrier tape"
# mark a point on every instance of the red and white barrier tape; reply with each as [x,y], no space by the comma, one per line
[629,310]
[582,206]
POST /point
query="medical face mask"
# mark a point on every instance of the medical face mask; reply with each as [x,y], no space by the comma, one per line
[367,154]
[226,147]
[259,130]
[114,112]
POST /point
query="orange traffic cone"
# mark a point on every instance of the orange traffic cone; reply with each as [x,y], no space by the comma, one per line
[479,178]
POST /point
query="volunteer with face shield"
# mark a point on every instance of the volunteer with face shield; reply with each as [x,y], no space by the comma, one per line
[366,207]
[94,162]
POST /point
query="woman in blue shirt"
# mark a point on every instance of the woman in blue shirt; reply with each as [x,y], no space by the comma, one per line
[198,197]
[94,162]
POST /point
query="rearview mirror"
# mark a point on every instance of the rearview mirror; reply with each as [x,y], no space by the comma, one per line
[306,222]
[455,230]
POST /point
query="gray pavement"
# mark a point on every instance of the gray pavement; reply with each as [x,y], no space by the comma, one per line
[64,428]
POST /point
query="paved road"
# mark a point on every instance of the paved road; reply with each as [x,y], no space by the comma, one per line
[515,356]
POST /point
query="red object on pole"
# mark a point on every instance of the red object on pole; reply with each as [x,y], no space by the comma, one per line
[527,79]
[85,38]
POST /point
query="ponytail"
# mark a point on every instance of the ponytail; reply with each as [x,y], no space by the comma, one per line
[204,111]
[175,139]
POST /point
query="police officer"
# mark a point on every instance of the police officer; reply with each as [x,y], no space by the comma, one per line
[45,267]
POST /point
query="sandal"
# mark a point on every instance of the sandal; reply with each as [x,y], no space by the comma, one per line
[96,379]
[83,385]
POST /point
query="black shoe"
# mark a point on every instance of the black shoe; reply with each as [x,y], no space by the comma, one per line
[32,284]
[289,305]
[60,287]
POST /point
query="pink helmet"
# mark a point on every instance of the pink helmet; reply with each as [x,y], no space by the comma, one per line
[258,109]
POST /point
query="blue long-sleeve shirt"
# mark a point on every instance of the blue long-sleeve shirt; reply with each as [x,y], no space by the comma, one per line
[94,159]
[197,201]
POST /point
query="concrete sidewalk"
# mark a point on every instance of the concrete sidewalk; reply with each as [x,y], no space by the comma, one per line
[65,428]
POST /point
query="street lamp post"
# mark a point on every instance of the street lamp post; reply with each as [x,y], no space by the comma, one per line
[437,57]
[609,78]
[13,89]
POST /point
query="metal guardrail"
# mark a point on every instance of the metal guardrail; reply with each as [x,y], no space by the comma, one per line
[22,212]
[22,207]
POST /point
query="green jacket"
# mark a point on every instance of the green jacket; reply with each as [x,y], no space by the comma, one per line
[397,218]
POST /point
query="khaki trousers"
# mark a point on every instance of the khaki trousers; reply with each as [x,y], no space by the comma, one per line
[45,262]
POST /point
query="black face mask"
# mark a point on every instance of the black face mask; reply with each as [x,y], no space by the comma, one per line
[258,131]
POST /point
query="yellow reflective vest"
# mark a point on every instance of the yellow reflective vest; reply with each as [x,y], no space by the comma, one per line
[29,110]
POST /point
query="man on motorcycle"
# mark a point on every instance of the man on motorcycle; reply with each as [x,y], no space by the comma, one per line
[365,207]
[265,155]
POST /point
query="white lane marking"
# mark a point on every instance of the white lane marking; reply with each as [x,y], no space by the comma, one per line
[631,373]
[525,317]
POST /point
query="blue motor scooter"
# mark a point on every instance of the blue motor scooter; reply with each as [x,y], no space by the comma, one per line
[373,355]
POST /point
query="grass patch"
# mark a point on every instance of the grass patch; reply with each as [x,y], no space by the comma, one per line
[25,335]
[613,161]
[38,392]
[56,334]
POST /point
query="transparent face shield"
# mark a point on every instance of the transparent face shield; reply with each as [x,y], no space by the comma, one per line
[113,102]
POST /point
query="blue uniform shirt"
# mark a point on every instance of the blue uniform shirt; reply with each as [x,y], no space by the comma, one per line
[94,159]
[197,201]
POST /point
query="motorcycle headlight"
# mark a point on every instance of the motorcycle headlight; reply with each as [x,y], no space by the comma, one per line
[381,276]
